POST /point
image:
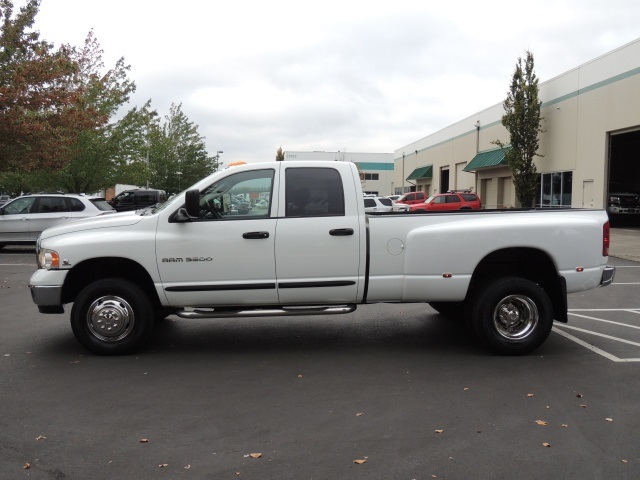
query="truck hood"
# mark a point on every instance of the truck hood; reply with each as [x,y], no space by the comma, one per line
[109,220]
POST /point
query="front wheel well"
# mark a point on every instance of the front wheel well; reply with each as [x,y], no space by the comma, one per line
[95,269]
[528,263]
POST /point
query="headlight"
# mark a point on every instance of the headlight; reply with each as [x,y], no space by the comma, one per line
[48,259]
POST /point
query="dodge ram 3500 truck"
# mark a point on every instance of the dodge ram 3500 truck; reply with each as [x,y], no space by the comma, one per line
[306,247]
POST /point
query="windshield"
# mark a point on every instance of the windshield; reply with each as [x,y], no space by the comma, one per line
[101,204]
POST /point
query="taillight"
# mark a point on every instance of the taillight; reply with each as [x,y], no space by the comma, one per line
[606,239]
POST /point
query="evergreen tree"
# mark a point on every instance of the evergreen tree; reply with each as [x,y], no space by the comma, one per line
[523,122]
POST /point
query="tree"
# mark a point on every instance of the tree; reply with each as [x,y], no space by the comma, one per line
[279,155]
[91,165]
[40,92]
[523,122]
[176,152]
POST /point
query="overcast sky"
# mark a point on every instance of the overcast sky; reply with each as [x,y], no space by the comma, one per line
[355,76]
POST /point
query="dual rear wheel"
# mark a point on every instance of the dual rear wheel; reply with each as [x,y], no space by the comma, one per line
[510,315]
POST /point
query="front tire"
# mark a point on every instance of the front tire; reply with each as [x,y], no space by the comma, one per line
[112,316]
[512,315]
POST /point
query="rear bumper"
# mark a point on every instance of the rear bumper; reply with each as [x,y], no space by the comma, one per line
[608,274]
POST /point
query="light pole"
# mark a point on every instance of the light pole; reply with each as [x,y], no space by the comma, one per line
[217,157]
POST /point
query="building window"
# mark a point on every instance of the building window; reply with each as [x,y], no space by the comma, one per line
[554,189]
[371,176]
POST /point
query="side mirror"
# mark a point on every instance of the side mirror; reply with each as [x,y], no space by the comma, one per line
[192,203]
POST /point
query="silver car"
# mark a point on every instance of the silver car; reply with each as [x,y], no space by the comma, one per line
[24,218]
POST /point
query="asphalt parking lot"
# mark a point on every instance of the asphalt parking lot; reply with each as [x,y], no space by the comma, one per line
[390,392]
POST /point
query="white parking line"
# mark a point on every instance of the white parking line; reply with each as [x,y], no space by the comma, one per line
[593,348]
[609,337]
[605,321]
[602,309]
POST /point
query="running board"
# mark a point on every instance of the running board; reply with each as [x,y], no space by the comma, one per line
[266,312]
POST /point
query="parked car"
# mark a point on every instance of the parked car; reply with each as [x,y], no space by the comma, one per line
[412,197]
[4,199]
[624,203]
[377,204]
[24,218]
[453,200]
[136,199]
[398,207]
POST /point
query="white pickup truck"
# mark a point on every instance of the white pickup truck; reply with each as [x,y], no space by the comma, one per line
[306,247]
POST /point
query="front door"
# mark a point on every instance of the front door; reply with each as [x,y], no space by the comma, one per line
[226,256]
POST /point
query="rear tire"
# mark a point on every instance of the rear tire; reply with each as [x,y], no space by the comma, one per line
[112,316]
[511,315]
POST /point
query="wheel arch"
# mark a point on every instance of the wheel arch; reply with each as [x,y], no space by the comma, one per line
[94,269]
[529,263]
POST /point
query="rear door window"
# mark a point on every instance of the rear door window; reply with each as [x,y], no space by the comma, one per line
[313,192]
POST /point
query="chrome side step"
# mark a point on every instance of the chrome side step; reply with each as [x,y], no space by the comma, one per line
[288,311]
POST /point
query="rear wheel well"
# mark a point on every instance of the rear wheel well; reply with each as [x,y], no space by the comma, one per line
[95,269]
[529,263]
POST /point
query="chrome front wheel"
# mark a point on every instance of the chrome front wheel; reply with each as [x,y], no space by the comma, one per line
[112,316]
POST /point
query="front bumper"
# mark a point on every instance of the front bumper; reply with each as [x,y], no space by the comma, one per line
[46,290]
[608,274]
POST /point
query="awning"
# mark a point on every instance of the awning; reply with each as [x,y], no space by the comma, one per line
[422,172]
[492,158]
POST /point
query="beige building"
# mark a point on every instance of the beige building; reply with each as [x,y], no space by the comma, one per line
[590,147]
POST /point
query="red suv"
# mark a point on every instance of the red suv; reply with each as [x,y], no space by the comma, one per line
[452,200]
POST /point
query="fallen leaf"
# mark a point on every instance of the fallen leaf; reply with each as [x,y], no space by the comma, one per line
[162,465]
[40,437]
[26,466]
[360,461]
[609,419]
[439,431]
[545,444]
[541,422]
[299,376]
[625,461]
[359,414]
[144,440]
[187,467]
[529,394]
[564,425]
[583,405]
[255,455]
[466,388]
[579,395]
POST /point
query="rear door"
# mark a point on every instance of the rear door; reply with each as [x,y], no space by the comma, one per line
[47,212]
[317,237]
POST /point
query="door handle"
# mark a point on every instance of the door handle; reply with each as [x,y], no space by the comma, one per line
[255,235]
[341,232]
